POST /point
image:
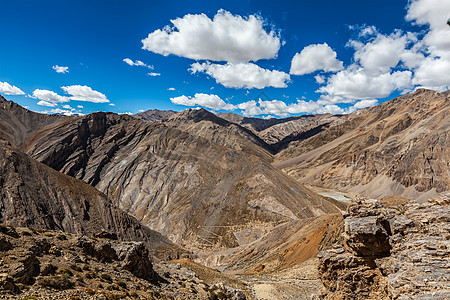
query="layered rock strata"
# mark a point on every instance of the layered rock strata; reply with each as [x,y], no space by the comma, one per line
[398,252]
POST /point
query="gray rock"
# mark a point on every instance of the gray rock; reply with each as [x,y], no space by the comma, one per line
[417,265]
[400,224]
[106,235]
[367,236]
[27,269]
[86,245]
[41,247]
[105,253]
[135,258]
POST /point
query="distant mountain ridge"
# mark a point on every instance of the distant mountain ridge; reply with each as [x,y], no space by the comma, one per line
[154,115]
[18,124]
[211,184]
[400,147]
[279,132]
[195,178]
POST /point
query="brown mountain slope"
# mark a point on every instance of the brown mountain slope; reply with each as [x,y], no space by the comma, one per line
[400,147]
[18,124]
[202,123]
[34,195]
[195,191]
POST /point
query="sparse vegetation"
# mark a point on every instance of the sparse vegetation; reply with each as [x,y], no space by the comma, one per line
[65,272]
[56,282]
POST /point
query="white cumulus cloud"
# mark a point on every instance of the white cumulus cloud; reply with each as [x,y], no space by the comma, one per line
[64,112]
[153,74]
[433,73]
[242,75]
[46,103]
[49,98]
[282,109]
[250,108]
[365,103]
[210,101]
[84,93]
[137,63]
[319,79]
[356,84]
[400,61]
[435,14]
[61,70]
[383,53]
[8,89]
[314,58]
[227,37]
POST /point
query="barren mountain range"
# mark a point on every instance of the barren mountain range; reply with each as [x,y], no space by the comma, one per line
[400,147]
[224,190]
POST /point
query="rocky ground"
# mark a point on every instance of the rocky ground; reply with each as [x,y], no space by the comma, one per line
[46,264]
[391,250]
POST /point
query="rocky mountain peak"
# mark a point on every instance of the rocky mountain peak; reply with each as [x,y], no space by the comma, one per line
[198,115]
[154,115]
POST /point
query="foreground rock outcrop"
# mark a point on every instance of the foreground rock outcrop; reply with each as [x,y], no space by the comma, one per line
[391,252]
[48,264]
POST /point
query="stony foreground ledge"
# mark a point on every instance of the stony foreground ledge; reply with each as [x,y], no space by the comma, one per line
[391,252]
[47,264]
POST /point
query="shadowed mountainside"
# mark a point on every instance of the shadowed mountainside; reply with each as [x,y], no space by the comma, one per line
[279,132]
[34,195]
[194,189]
[18,124]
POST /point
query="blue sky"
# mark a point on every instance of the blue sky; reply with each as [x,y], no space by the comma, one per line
[306,56]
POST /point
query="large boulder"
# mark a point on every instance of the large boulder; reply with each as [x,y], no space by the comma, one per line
[135,258]
[103,252]
[367,236]
[27,269]
[348,275]
[392,252]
